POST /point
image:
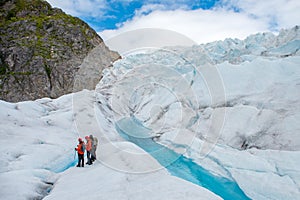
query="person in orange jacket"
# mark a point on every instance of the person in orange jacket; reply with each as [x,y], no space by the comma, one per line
[88,147]
[80,150]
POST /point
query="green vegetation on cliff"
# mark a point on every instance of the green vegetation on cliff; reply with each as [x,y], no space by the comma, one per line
[43,47]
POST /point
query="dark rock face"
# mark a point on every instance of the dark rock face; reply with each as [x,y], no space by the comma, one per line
[42,50]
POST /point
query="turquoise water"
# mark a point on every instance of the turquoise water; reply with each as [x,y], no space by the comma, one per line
[63,162]
[70,164]
[178,165]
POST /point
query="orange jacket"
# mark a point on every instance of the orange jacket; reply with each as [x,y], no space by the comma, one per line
[88,145]
[79,149]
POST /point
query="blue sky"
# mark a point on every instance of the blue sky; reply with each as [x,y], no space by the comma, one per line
[118,12]
[202,20]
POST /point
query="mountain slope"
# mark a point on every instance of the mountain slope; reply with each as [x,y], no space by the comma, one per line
[42,49]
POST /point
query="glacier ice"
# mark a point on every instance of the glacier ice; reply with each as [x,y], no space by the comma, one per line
[222,104]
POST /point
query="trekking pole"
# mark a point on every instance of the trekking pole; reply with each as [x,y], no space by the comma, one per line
[75,149]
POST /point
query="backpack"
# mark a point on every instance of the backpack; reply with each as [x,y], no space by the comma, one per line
[82,147]
[95,142]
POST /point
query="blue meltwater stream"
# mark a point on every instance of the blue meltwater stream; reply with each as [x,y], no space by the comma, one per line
[178,165]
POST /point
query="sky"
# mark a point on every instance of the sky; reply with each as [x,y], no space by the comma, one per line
[202,21]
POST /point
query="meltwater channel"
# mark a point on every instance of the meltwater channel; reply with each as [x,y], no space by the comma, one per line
[178,165]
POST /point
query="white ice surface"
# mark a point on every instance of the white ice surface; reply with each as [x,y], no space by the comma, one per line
[258,145]
[39,139]
[102,182]
[251,129]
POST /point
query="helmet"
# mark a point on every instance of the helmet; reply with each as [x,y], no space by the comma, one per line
[86,137]
[79,139]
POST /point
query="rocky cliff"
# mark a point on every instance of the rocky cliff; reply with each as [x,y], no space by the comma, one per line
[43,51]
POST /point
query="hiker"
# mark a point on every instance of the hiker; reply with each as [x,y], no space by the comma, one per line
[80,150]
[94,147]
[88,148]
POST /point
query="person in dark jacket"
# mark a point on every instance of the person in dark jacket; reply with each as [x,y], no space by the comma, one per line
[94,147]
[80,150]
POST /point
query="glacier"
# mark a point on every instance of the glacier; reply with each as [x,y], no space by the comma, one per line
[232,96]
[231,107]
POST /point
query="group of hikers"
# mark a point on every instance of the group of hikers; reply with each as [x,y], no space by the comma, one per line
[90,147]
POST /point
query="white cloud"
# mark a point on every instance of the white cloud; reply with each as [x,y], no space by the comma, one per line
[200,25]
[219,23]
[283,13]
[81,8]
